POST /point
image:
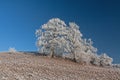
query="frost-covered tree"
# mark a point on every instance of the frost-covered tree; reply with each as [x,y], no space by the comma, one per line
[81,49]
[51,37]
[74,40]
[55,38]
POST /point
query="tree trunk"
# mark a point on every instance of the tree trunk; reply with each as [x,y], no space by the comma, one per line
[74,58]
[52,52]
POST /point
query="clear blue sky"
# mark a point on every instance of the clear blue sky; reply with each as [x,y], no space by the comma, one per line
[98,19]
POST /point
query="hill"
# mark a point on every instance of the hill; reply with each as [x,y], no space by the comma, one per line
[20,66]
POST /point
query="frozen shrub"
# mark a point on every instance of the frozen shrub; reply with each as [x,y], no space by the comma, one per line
[116,65]
[82,57]
[96,61]
[105,60]
[12,50]
[68,56]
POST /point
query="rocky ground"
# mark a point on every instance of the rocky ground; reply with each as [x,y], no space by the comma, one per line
[19,66]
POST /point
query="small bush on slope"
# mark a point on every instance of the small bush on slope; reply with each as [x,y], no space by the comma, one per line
[116,65]
[12,50]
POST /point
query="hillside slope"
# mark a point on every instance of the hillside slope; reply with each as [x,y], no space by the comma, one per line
[19,66]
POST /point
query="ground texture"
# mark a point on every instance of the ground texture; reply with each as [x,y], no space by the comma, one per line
[19,66]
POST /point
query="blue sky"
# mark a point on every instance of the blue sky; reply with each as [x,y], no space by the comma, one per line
[98,20]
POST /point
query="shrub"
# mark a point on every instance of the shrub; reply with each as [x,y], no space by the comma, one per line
[12,50]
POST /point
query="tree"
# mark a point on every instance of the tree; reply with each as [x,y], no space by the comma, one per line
[51,37]
[75,41]
[81,49]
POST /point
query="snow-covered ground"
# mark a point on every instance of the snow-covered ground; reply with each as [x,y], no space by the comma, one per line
[19,66]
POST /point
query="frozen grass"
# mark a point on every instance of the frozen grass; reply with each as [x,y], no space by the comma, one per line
[19,66]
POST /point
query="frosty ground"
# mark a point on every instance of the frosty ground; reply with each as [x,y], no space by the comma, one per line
[20,66]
